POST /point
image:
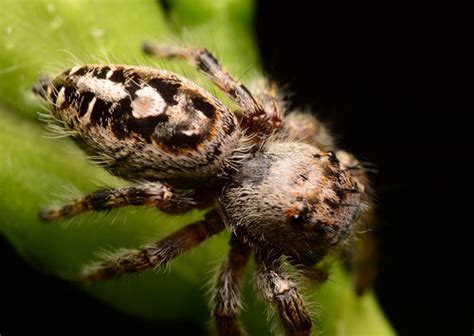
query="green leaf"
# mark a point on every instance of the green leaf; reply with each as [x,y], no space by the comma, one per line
[42,37]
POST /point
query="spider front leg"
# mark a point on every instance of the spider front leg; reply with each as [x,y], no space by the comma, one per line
[155,194]
[226,299]
[306,128]
[363,252]
[268,95]
[154,255]
[257,120]
[278,289]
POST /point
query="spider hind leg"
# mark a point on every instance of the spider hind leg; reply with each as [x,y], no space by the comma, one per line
[154,255]
[154,194]
[259,118]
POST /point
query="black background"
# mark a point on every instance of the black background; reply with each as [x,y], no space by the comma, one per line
[388,82]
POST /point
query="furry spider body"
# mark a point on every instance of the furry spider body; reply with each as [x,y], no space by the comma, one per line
[270,179]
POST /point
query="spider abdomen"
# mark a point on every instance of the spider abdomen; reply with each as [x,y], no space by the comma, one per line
[143,122]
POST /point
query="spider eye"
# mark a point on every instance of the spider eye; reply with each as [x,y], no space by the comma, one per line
[297,219]
[300,217]
[333,158]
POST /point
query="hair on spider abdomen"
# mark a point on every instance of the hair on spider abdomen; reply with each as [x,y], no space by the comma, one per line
[266,176]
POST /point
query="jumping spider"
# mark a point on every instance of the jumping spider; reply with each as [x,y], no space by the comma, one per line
[275,180]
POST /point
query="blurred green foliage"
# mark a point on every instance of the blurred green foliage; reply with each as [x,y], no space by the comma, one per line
[41,37]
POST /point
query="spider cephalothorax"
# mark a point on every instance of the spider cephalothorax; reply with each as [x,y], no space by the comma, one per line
[291,199]
[272,179]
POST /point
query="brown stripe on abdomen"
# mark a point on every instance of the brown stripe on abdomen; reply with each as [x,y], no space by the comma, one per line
[200,104]
[118,76]
[101,112]
[101,72]
[85,100]
[166,89]
[124,124]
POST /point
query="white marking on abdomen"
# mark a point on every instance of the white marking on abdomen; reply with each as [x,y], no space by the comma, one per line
[86,118]
[61,98]
[148,103]
[109,73]
[73,70]
[191,132]
[103,88]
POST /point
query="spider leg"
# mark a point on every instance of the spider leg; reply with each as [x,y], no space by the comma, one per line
[226,299]
[146,193]
[363,252]
[314,274]
[256,119]
[277,288]
[363,262]
[154,255]
[267,93]
[306,128]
